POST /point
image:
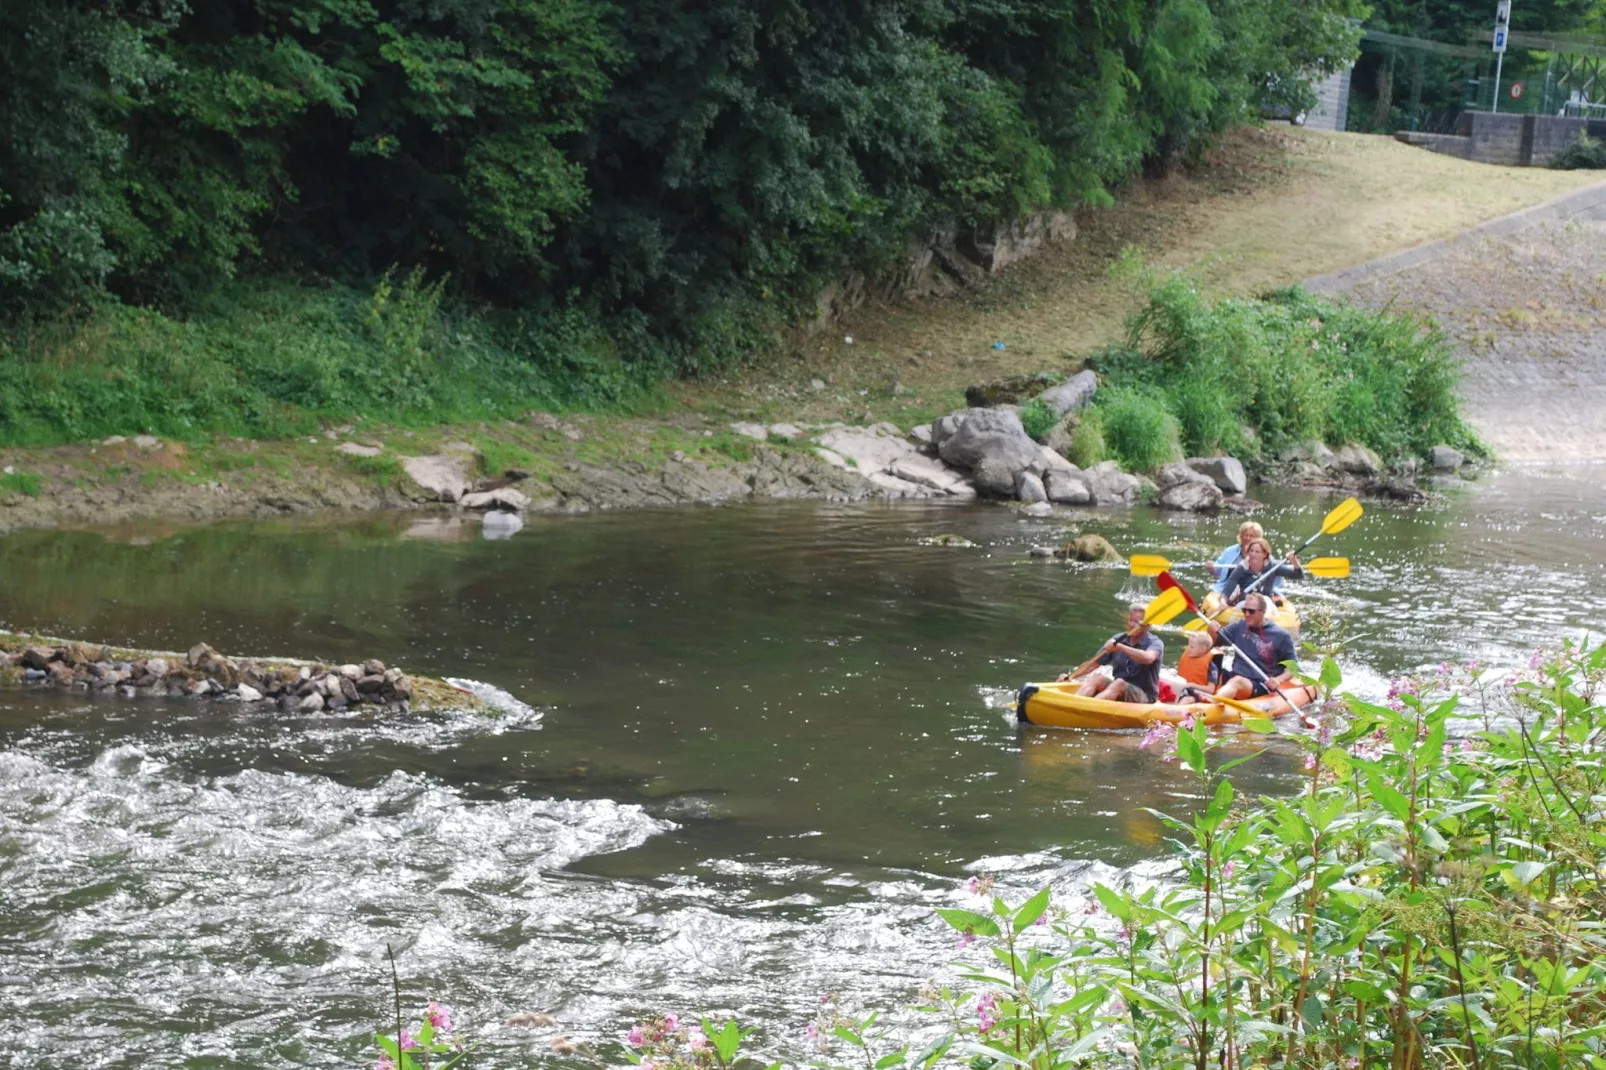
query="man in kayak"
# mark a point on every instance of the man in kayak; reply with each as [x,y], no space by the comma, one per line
[1254,638]
[1133,657]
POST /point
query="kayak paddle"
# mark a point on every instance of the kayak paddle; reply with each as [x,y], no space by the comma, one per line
[1165,606]
[1342,516]
[1331,568]
[1168,582]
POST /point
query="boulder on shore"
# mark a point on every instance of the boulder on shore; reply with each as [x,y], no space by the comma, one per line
[1446,459]
[1010,390]
[1175,473]
[1110,485]
[1357,460]
[1191,497]
[1071,396]
[1227,473]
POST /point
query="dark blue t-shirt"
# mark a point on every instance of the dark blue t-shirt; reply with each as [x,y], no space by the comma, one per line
[1268,647]
[1135,672]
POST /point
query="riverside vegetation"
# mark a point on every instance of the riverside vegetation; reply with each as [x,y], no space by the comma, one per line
[599,192]
[1434,896]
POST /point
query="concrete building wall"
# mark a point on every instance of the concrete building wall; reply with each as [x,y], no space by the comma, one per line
[1332,102]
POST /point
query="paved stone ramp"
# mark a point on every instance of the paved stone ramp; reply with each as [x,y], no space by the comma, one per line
[1524,298]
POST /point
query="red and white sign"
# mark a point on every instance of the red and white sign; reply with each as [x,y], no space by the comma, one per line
[1516,90]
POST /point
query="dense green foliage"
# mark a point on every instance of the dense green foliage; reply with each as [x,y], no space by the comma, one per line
[286,360]
[693,172]
[1586,153]
[1252,377]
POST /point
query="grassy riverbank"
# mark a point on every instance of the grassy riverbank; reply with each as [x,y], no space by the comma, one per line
[254,394]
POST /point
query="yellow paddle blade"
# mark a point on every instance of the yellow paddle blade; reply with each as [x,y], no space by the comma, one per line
[1343,515]
[1241,707]
[1167,605]
[1331,568]
[1195,624]
[1149,564]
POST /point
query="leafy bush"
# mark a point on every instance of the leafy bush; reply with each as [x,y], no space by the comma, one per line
[1087,441]
[1137,427]
[273,361]
[1586,153]
[1292,367]
[1038,419]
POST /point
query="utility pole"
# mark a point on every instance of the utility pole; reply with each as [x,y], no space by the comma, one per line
[1502,24]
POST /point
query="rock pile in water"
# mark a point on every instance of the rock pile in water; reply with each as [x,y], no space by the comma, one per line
[204,673]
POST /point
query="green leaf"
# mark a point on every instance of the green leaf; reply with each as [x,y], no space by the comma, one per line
[1331,677]
[1031,910]
[1525,873]
[1263,725]
[1114,902]
[1189,751]
[891,1059]
[1390,799]
[968,921]
[843,1033]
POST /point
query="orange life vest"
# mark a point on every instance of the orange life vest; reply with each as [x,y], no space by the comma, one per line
[1194,668]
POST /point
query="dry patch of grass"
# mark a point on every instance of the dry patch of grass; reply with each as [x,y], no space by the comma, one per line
[1270,208]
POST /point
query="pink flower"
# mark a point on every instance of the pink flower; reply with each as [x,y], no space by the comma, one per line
[671,1022]
[1187,722]
[1226,870]
[812,1031]
[384,1063]
[696,1040]
[408,1041]
[966,940]
[973,886]
[439,1017]
[1310,762]
[987,1011]
[636,1037]
[1042,919]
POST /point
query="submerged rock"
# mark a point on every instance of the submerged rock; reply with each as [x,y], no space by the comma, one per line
[1090,548]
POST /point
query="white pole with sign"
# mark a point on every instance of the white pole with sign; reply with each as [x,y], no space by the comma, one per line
[1502,23]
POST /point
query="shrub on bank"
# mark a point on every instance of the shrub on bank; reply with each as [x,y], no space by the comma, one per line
[281,360]
[1290,366]
[1583,154]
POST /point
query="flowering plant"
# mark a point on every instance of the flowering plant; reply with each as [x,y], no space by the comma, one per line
[432,1046]
[664,1044]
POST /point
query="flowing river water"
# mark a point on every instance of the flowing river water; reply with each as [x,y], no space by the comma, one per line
[751,749]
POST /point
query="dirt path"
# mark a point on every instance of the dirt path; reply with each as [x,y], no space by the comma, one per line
[1527,310]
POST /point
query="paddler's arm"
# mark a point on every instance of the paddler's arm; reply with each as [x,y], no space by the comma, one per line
[1138,654]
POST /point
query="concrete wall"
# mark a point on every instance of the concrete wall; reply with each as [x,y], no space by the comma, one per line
[1332,102]
[1512,140]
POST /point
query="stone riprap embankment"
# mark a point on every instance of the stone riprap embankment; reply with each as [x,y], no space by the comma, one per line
[203,673]
[1524,301]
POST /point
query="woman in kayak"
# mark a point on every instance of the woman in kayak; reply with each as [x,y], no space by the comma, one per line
[1255,565]
[1233,555]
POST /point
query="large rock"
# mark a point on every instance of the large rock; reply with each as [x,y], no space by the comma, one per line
[1200,497]
[1090,548]
[444,476]
[1110,485]
[1311,451]
[1060,438]
[1048,461]
[995,478]
[1029,488]
[1227,473]
[504,499]
[1357,460]
[1170,475]
[992,434]
[1010,390]
[1067,488]
[1071,396]
[881,454]
[1446,459]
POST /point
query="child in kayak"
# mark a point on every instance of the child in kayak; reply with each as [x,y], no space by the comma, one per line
[1197,665]
[1255,565]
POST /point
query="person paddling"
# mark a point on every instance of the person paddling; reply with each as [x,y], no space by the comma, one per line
[1256,563]
[1233,555]
[1133,657]
[1255,638]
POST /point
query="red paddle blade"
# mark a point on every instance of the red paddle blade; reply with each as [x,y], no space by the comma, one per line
[1167,582]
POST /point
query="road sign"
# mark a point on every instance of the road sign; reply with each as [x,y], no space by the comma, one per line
[1502,24]
[1516,90]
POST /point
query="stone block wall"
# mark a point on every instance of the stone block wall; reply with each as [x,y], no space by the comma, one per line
[1511,140]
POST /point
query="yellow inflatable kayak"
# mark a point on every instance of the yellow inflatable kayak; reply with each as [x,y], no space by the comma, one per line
[1056,705]
[1283,613]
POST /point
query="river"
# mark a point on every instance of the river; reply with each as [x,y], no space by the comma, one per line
[751,749]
